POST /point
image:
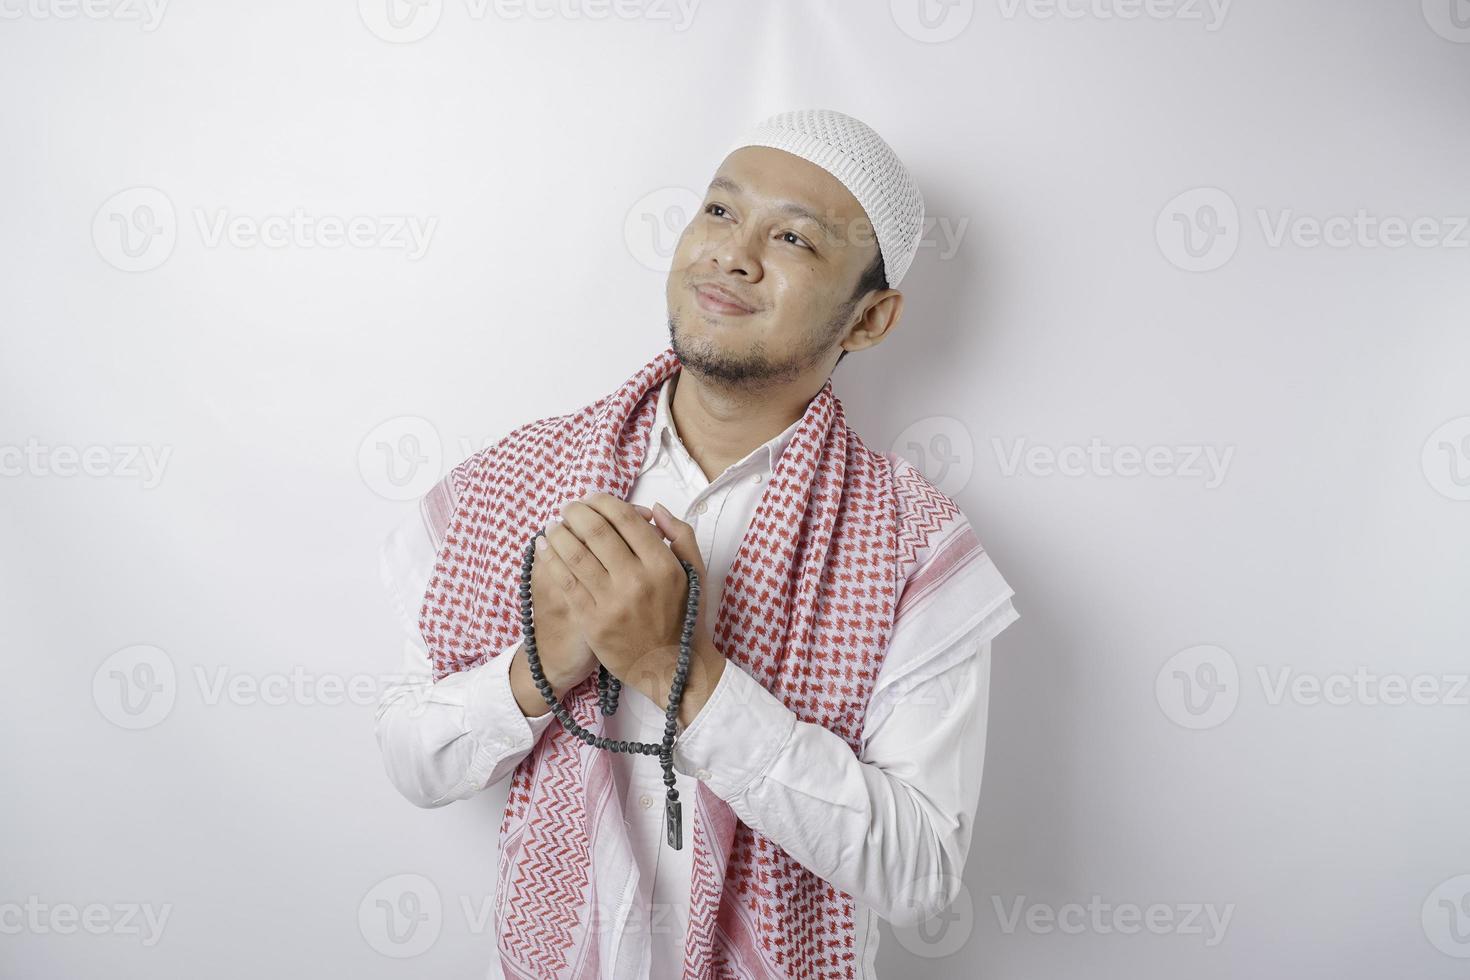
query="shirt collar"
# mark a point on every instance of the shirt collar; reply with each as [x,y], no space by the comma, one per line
[769,452]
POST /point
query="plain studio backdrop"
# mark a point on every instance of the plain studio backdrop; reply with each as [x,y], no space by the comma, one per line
[1187,340]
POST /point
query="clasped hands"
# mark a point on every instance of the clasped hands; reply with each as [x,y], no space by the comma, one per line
[625,593]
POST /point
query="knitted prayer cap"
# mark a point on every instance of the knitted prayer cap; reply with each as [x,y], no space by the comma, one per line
[851,151]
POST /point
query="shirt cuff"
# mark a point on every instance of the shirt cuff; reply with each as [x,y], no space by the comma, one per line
[494,715]
[737,735]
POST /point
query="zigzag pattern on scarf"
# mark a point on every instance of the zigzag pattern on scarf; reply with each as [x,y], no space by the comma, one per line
[924,508]
[538,928]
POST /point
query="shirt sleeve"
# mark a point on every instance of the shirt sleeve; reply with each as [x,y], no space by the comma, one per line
[446,740]
[890,825]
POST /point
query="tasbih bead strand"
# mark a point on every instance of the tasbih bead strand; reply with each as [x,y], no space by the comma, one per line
[608,688]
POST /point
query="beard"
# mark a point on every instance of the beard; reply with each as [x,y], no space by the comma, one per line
[756,369]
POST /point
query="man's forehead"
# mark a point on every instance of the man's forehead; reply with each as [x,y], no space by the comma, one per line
[786,182]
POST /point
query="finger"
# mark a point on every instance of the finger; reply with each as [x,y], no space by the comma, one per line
[603,540]
[563,578]
[638,535]
[580,560]
[681,538]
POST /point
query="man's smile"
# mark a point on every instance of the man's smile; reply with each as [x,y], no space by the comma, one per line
[717,299]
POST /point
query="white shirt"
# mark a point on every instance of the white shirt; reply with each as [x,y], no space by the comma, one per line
[890,826]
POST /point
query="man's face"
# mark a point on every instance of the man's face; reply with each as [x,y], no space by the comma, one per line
[794,272]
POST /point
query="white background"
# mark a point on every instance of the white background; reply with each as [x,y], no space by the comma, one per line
[1058,300]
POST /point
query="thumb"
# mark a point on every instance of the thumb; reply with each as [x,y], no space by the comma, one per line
[681,538]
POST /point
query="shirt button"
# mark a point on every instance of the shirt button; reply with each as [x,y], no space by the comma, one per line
[703,506]
[755,478]
[645,801]
[701,773]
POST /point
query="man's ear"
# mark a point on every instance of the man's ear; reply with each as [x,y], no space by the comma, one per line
[880,315]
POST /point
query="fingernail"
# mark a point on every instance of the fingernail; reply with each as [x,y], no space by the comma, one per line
[540,542]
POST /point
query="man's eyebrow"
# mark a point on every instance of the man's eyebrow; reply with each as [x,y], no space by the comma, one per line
[785,207]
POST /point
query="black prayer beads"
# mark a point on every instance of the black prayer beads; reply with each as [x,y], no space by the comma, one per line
[609,686]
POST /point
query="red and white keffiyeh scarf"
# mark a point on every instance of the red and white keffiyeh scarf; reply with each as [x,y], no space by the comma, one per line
[807,609]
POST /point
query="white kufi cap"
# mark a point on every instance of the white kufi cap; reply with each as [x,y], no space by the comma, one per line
[857,156]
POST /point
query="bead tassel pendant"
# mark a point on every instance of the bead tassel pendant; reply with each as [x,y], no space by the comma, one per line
[674,821]
[608,687]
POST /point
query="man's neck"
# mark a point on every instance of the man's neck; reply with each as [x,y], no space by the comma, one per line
[719,428]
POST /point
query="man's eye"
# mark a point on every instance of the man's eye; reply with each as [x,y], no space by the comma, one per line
[720,211]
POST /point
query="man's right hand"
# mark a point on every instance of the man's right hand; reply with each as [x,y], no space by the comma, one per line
[566,659]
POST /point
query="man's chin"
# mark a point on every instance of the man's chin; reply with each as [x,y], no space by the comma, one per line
[697,327]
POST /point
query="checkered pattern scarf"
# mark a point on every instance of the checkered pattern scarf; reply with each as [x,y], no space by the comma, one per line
[807,609]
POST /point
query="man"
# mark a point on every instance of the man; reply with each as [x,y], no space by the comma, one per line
[831,733]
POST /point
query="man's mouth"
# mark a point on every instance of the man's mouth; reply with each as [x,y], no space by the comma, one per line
[717,300]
